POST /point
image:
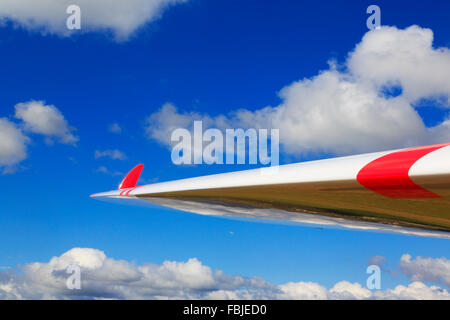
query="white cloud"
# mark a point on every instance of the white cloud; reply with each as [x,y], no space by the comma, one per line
[46,120]
[302,291]
[122,18]
[345,290]
[332,113]
[406,57]
[344,110]
[414,291]
[113,154]
[427,269]
[115,128]
[37,118]
[104,277]
[13,145]
[159,125]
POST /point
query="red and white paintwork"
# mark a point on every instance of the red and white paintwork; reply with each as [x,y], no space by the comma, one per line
[389,173]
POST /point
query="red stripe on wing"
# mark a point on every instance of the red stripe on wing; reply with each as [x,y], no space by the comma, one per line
[388,175]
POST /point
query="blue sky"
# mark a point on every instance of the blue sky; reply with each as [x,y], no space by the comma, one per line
[210,57]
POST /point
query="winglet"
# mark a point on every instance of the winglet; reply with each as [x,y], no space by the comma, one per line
[132,177]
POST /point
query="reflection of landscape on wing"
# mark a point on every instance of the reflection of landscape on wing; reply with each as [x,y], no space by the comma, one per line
[277,216]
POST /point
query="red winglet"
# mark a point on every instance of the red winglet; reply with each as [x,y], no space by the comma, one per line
[132,177]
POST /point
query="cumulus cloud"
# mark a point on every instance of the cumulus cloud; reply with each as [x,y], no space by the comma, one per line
[113,154]
[435,270]
[345,109]
[332,113]
[302,291]
[46,120]
[414,291]
[104,277]
[159,125]
[13,145]
[345,290]
[122,18]
[34,117]
[405,57]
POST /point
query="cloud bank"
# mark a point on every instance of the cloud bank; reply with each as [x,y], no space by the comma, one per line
[121,18]
[104,277]
[350,108]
